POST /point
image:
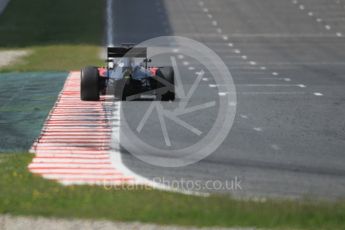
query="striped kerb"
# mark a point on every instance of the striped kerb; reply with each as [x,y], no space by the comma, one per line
[74,144]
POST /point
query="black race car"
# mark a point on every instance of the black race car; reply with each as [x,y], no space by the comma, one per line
[126,77]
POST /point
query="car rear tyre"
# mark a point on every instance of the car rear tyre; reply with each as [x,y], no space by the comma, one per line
[166,92]
[89,84]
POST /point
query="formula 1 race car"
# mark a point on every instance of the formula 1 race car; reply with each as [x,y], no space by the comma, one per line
[127,77]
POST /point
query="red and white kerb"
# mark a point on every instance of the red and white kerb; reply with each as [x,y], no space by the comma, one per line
[74,144]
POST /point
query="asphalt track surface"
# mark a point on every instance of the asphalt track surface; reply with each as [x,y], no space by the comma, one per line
[287,62]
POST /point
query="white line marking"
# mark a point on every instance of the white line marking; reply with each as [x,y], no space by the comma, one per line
[69,160]
[71,165]
[268,85]
[237,51]
[301,86]
[73,171]
[180,56]
[275,147]
[47,154]
[110,27]
[318,94]
[82,176]
[275,74]
[222,94]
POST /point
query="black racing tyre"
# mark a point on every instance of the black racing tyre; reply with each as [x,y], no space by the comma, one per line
[89,84]
[126,91]
[166,92]
[125,88]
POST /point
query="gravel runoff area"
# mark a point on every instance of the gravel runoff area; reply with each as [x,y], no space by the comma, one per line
[25,102]
[39,223]
[9,56]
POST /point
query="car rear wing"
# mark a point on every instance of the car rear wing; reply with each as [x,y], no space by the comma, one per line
[120,51]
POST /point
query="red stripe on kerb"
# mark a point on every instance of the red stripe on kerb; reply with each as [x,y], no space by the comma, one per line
[74,145]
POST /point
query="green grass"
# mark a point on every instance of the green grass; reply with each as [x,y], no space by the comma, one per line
[62,35]
[57,58]
[22,193]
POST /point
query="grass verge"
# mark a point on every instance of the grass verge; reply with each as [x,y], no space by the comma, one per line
[25,194]
[57,58]
[62,35]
